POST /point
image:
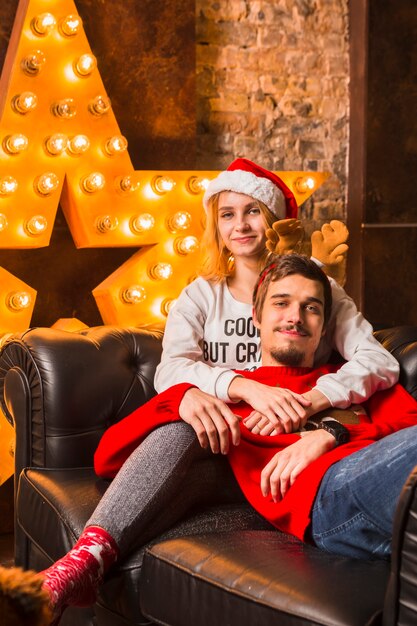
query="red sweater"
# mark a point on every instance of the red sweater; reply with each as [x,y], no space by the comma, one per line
[389,410]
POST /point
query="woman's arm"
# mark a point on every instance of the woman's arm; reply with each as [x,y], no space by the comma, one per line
[183,344]
[369,366]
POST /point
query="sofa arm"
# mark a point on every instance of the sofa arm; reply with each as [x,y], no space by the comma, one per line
[62,390]
[401,341]
[401,596]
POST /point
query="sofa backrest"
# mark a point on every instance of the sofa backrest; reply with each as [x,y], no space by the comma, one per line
[62,390]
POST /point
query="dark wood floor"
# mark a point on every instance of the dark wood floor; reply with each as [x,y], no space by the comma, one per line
[6,550]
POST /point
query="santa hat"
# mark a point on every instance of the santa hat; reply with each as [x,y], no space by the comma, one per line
[243,176]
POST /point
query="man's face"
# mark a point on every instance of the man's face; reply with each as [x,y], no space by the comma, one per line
[292,321]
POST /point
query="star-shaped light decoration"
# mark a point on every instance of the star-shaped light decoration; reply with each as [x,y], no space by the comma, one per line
[60,141]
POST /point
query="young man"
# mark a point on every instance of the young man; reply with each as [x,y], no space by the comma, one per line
[328,486]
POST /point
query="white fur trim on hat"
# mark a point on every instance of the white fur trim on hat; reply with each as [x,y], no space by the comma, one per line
[254,186]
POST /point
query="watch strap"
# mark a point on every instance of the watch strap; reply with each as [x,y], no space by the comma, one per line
[335,428]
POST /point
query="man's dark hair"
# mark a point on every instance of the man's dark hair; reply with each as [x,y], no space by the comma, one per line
[280,266]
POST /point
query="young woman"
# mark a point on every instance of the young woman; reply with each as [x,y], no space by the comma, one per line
[209,331]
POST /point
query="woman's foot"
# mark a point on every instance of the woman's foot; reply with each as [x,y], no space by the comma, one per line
[71,581]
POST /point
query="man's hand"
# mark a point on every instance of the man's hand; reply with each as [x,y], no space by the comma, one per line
[260,425]
[211,419]
[285,466]
[285,410]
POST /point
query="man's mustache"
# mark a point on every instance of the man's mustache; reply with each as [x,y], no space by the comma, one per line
[297,327]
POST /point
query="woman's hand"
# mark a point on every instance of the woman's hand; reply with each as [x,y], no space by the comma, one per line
[211,419]
[285,410]
[285,466]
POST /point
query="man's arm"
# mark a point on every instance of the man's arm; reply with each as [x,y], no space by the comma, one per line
[285,466]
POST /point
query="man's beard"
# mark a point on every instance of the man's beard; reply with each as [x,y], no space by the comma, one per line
[289,356]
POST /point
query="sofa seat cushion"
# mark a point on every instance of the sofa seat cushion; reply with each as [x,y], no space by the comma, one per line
[53,506]
[258,577]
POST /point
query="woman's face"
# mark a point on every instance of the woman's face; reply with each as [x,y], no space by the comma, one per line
[241,224]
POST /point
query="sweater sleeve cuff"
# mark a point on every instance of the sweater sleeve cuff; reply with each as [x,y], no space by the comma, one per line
[334,393]
[222,385]
[317,262]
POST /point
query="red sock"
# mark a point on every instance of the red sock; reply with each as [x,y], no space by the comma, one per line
[74,579]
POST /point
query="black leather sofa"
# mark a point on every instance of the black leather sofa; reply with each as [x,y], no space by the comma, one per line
[62,390]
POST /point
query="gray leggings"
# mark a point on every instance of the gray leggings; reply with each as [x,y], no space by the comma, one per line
[167,475]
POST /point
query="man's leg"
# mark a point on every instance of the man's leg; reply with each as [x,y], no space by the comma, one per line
[355,505]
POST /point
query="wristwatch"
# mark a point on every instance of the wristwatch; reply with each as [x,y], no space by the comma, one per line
[335,428]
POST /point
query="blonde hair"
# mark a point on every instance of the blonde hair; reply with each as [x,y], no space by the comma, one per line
[217,262]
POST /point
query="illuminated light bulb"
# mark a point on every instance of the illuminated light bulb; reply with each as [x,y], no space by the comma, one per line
[15,144]
[43,23]
[93,182]
[36,225]
[179,221]
[106,223]
[25,102]
[161,271]
[303,184]
[197,184]
[56,144]
[64,108]
[166,306]
[142,223]
[99,105]
[70,25]
[47,183]
[116,145]
[3,222]
[133,294]
[8,185]
[78,144]
[85,64]
[162,184]
[186,245]
[33,63]
[18,300]
[127,183]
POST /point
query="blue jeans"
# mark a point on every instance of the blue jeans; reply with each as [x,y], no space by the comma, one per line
[354,508]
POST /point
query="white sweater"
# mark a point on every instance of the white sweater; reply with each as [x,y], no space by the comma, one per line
[209,334]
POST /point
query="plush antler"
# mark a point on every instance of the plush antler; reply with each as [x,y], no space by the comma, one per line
[284,236]
[328,245]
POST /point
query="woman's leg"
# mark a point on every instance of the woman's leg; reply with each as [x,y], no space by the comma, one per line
[158,483]
[138,503]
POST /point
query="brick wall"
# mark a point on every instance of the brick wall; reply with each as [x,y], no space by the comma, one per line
[272,85]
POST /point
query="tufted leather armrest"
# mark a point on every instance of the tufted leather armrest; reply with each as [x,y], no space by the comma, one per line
[401,341]
[62,390]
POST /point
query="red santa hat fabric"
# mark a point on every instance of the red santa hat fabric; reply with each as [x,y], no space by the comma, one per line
[244,176]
